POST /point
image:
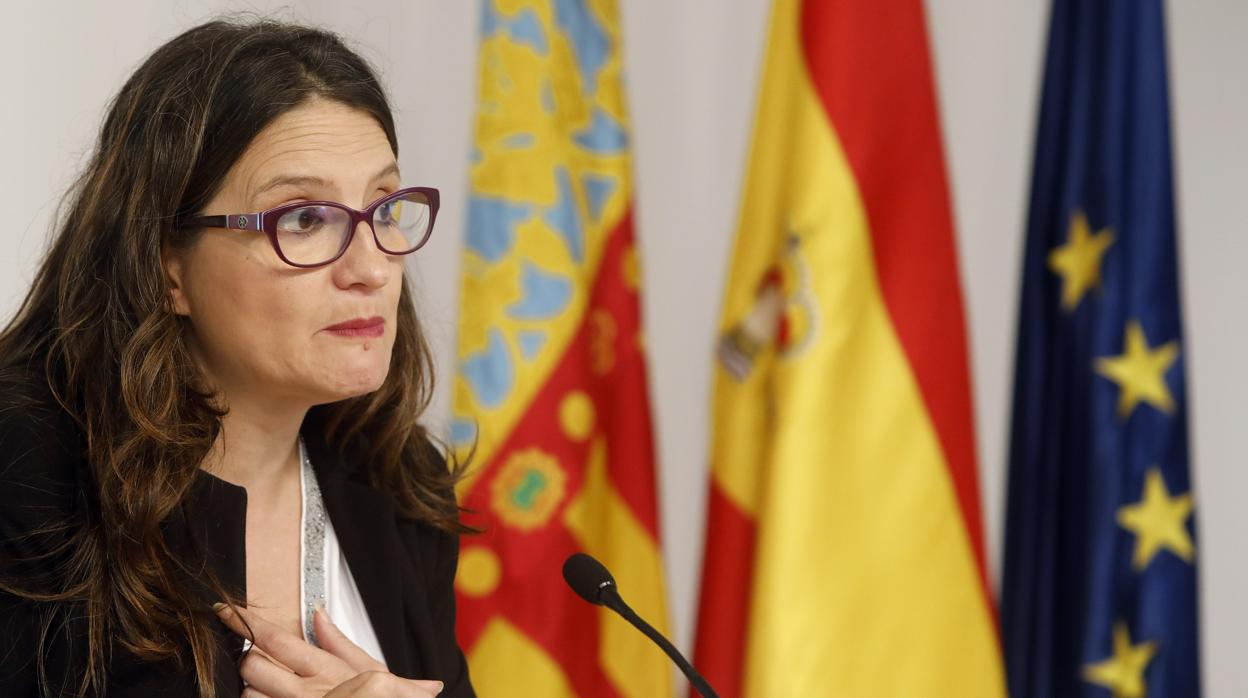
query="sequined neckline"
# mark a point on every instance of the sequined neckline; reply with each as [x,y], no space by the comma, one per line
[313,552]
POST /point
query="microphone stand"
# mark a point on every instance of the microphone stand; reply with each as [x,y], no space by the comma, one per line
[611,599]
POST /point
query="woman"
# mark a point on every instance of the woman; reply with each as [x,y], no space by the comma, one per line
[208,399]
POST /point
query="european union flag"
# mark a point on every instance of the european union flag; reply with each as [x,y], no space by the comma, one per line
[1099,589]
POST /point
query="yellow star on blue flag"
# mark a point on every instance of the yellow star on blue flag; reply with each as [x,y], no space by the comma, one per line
[1100,572]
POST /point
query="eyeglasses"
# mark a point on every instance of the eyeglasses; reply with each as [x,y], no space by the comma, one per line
[309,234]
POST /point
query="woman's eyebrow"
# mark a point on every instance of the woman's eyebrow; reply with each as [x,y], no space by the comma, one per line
[290,181]
[314,181]
[391,169]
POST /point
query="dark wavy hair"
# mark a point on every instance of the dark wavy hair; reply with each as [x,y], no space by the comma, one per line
[98,325]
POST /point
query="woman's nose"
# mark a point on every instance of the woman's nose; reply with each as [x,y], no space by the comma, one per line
[363,263]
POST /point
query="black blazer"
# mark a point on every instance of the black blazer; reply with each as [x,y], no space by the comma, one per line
[404,569]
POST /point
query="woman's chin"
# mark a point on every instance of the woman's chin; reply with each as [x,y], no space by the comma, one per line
[354,380]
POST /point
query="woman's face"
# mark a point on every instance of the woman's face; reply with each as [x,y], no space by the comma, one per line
[262,328]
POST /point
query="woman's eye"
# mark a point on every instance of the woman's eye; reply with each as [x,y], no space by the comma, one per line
[391,211]
[302,221]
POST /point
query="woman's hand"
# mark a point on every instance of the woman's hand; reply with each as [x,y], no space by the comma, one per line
[288,667]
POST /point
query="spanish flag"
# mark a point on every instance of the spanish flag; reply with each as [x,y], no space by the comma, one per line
[844,547]
[551,381]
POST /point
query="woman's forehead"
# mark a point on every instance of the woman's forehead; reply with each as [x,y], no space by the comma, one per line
[322,143]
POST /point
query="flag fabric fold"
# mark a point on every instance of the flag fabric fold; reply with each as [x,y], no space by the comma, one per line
[844,544]
[551,380]
[1099,584]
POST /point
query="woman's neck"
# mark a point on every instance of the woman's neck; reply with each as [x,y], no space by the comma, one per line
[258,447]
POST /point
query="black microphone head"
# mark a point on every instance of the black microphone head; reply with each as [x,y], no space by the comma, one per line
[587,577]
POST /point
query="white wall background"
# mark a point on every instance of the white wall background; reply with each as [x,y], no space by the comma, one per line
[692,71]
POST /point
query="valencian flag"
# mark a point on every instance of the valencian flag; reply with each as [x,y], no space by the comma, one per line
[1099,592]
[844,548]
[551,381]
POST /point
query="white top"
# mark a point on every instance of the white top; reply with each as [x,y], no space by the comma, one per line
[323,572]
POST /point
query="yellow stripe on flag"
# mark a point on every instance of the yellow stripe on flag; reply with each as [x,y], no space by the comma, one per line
[606,528]
[515,660]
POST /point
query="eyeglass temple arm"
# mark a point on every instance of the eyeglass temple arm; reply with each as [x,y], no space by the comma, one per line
[233,221]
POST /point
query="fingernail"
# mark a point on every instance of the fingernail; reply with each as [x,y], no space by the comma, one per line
[319,607]
[441,686]
[216,607]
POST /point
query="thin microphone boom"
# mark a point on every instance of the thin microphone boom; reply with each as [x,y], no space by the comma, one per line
[592,582]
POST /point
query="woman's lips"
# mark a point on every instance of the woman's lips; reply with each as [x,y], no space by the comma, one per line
[359,327]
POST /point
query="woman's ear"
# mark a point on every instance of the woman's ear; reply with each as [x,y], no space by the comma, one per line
[175,272]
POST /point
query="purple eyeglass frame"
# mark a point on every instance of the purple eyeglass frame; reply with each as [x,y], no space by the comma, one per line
[266,222]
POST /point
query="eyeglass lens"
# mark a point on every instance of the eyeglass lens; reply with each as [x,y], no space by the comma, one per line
[315,234]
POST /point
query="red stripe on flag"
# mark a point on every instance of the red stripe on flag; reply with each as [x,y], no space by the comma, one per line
[724,608]
[531,594]
[624,393]
[869,64]
[533,597]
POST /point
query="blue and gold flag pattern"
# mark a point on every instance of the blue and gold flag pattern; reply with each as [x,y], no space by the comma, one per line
[1099,588]
[551,393]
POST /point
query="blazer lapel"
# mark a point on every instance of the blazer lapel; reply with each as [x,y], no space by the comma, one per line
[364,522]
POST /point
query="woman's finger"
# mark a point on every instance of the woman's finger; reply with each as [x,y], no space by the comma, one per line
[250,692]
[267,678]
[301,657]
[377,684]
[432,687]
[333,640]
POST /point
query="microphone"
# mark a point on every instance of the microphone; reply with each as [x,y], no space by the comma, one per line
[592,582]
